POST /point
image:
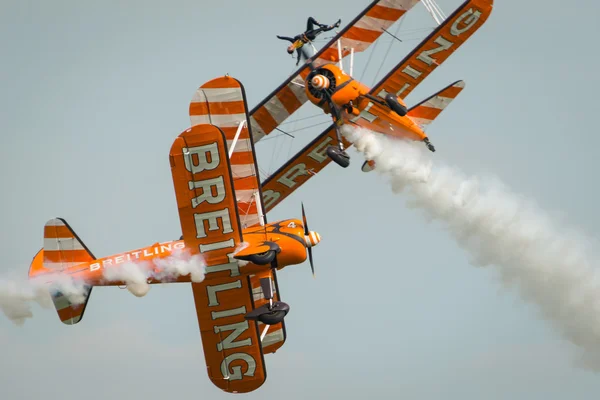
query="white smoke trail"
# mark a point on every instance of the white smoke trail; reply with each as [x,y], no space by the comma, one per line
[136,275]
[551,266]
[17,296]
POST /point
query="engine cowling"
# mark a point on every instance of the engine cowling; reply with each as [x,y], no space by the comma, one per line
[329,78]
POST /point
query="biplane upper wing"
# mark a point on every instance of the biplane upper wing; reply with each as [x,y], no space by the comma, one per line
[435,49]
[210,224]
[359,34]
[410,72]
[222,102]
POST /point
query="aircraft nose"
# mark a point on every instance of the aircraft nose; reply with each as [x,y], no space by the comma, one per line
[312,239]
[320,82]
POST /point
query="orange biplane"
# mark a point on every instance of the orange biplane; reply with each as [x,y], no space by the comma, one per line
[217,187]
[323,82]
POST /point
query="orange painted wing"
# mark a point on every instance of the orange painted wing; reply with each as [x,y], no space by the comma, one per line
[299,169]
[285,100]
[222,102]
[435,49]
[204,189]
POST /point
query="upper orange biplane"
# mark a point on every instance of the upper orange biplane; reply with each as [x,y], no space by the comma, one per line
[323,82]
[217,186]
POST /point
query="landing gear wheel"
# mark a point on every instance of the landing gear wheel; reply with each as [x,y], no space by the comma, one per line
[339,156]
[396,107]
[262,258]
[272,318]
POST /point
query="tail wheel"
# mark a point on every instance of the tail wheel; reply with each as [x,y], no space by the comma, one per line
[394,104]
[262,258]
[272,318]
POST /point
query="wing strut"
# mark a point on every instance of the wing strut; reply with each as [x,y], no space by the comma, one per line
[435,11]
[237,135]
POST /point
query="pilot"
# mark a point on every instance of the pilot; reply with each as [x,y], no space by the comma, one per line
[308,36]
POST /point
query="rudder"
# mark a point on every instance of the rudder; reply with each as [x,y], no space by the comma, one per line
[62,249]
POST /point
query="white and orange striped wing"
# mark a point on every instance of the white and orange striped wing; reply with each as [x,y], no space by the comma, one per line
[365,29]
[429,109]
[359,34]
[222,102]
[435,49]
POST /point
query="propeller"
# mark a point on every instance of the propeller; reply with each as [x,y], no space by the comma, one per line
[335,111]
[311,239]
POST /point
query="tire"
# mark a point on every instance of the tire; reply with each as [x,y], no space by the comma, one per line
[396,107]
[338,156]
[262,258]
[272,318]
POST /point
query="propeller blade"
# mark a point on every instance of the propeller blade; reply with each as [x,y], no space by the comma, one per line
[304,220]
[312,266]
[306,232]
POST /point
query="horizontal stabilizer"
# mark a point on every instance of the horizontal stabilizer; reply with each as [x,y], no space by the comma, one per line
[429,109]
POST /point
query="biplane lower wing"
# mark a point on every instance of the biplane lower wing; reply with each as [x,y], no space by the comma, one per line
[211,228]
[435,49]
[358,35]
[299,169]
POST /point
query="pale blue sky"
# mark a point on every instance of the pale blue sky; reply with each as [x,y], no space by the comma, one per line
[93,96]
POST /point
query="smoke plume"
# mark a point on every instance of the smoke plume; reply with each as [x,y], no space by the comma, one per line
[18,295]
[136,275]
[551,266]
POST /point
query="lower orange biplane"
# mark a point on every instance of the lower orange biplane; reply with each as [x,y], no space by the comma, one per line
[218,194]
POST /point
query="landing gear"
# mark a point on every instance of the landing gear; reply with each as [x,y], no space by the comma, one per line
[276,315]
[392,101]
[262,258]
[339,156]
[271,313]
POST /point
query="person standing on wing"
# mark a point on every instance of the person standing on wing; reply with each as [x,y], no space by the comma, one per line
[308,36]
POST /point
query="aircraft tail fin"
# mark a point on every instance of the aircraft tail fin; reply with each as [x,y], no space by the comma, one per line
[62,249]
[429,109]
